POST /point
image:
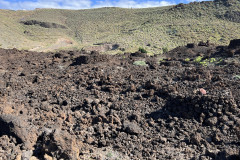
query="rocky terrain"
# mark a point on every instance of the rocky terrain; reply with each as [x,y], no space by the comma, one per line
[76,105]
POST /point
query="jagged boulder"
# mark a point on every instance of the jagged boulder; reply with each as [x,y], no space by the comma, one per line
[18,128]
[57,143]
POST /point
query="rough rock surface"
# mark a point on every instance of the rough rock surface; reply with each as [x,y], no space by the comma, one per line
[74,105]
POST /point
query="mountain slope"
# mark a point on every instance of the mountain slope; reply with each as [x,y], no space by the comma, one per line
[151,28]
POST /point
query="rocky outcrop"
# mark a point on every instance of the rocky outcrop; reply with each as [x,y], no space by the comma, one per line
[43,24]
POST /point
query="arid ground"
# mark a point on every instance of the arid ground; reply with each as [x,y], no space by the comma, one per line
[77,105]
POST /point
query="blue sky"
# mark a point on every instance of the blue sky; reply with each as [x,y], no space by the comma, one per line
[84,4]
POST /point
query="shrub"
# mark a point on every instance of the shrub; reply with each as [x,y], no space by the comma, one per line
[212,60]
[198,59]
[142,50]
[109,155]
[122,49]
[140,63]
[161,59]
[165,49]
[187,59]
[204,63]
[236,76]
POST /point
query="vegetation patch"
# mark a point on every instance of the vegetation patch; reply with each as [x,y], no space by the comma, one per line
[160,29]
[165,49]
[140,63]
[43,24]
[205,62]
[142,50]
[198,59]
[236,77]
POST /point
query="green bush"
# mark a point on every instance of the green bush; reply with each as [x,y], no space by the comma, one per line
[236,76]
[212,60]
[204,63]
[142,50]
[140,63]
[165,49]
[198,59]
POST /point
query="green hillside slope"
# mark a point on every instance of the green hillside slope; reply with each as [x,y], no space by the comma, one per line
[150,28]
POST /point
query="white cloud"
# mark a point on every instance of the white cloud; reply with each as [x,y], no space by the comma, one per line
[197,0]
[132,4]
[80,4]
[27,4]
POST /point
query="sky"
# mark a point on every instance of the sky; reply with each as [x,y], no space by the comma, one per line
[85,4]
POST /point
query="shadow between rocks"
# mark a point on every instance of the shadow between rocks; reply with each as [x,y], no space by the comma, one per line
[199,107]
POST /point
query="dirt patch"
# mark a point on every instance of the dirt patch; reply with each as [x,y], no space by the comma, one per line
[76,105]
[59,44]
[102,47]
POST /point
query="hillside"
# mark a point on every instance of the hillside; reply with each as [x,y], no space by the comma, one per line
[151,28]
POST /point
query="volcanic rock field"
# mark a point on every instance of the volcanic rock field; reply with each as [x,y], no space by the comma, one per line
[78,105]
